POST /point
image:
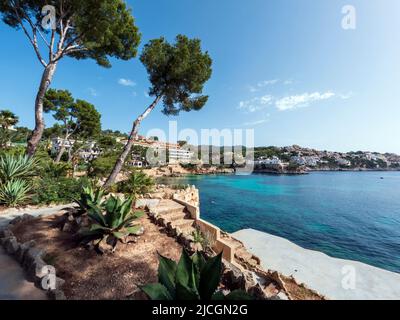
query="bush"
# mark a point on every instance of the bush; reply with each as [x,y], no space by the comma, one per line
[58,190]
[138,183]
[50,169]
[102,166]
[14,192]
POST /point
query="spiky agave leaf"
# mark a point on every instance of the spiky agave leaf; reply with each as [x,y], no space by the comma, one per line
[13,167]
[14,192]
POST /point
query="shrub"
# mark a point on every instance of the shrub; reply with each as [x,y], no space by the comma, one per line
[58,190]
[193,278]
[14,192]
[138,183]
[102,166]
[50,169]
[116,224]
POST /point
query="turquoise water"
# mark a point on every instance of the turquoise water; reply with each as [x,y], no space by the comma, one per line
[349,215]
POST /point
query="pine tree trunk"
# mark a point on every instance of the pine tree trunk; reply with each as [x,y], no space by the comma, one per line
[62,149]
[60,154]
[135,129]
[37,133]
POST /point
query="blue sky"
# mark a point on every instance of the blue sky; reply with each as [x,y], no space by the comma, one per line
[283,67]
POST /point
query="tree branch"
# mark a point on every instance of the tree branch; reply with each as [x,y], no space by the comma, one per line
[32,39]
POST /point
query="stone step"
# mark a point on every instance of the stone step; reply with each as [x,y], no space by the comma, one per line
[188,230]
[235,244]
[174,216]
[168,206]
[244,255]
[183,223]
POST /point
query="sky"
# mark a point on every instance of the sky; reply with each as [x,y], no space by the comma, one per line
[285,68]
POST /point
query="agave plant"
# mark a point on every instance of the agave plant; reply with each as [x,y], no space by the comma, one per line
[13,167]
[90,198]
[14,192]
[193,278]
[117,223]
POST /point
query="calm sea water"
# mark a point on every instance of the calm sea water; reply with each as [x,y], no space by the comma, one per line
[349,215]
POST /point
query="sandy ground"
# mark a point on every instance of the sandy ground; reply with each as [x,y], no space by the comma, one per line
[335,278]
[91,276]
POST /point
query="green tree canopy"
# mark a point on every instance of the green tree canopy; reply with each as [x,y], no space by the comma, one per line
[177,73]
[79,118]
[8,119]
[90,29]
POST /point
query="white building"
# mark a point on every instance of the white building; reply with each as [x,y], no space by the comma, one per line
[298,160]
[343,162]
[179,155]
[87,153]
[274,161]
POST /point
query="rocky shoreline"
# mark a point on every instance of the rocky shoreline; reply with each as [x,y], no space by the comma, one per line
[337,279]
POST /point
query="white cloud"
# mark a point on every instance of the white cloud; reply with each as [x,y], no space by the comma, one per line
[267,83]
[126,82]
[256,104]
[255,123]
[346,95]
[93,92]
[263,84]
[302,100]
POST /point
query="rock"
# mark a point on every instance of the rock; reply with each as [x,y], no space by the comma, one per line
[23,248]
[234,278]
[57,294]
[24,217]
[12,245]
[67,227]
[257,292]
[30,256]
[6,233]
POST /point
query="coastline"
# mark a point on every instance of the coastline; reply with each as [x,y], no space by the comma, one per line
[335,278]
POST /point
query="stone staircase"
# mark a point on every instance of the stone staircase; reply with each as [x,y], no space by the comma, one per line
[175,215]
[242,256]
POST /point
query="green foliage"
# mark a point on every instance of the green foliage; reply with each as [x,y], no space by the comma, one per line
[13,167]
[138,183]
[89,198]
[7,120]
[193,278]
[115,224]
[78,117]
[20,136]
[99,29]
[177,73]
[58,190]
[102,166]
[50,169]
[14,192]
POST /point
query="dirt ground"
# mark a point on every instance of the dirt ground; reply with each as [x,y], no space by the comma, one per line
[90,276]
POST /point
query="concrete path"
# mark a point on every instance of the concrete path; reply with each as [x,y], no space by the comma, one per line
[335,278]
[13,285]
